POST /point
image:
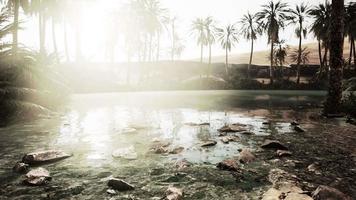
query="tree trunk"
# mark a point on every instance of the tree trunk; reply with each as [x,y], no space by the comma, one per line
[354,51]
[158,45]
[201,52]
[65,41]
[173,41]
[227,63]
[42,29]
[271,67]
[15,28]
[209,69]
[333,102]
[351,49]
[299,51]
[250,62]
[150,48]
[54,41]
[320,59]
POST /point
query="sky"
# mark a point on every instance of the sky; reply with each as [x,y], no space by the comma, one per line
[223,11]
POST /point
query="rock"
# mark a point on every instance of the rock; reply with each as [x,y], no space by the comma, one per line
[229,165]
[280,177]
[285,194]
[273,144]
[266,123]
[283,153]
[209,143]
[173,193]
[44,157]
[328,193]
[227,139]
[129,130]
[232,128]
[177,150]
[197,124]
[21,167]
[120,185]
[39,176]
[247,133]
[314,168]
[298,129]
[294,123]
[160,147]
[126,153]
[246,156]
[182,164]
[111,191]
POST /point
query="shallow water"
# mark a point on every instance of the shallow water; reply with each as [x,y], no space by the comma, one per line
[93,127]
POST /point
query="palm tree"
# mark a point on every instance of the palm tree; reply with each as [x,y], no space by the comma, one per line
[298,16]
[198,28]
[250,28]
[273,17]
[321,28]
[333,102]
[350,29]
[227,36]
[302,55]
[210,36]
[14,7]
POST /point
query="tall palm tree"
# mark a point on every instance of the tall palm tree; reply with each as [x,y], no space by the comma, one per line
[350,29]
[333,102]
[210,36]
[14,7]
[273,17]
[303,56]
[250,28]
[198,28]
[298,16]
[227,36]
[321,29]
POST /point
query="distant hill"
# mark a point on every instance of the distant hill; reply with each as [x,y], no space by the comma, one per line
[261,57]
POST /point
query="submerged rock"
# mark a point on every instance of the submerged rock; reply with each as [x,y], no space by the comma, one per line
[246,156]
[328,193]
[120,185]
[44,156]
[283,153]
[126,153]
[209,143]
[229,165]
[39,176]
[160,147]
[227,139]
[273,144]
[173,193]
[21,167]
[232,128]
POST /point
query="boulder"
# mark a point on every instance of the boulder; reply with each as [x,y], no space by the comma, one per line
[232,128]
[328,193]
[229,165]
[273,144]
[246,156]
[44,157]
[173,193]
[283,153]
[21,167]
[39,176]
[209,143]
[120,185]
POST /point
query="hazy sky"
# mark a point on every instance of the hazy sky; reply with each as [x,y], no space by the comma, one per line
[224,11]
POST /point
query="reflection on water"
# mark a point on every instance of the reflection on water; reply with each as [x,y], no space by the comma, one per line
[95,126]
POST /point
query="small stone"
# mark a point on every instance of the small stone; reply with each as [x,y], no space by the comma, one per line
[298,129]
[328,193]
[247,133]
[266,123]
[111,191]
[314,168]
[20,167]
[209,143]
[227,139]
[39,176]
[283,153]
[120,185]
[229,165]
[177,150]
[246,156]
[173,193]
[273,144]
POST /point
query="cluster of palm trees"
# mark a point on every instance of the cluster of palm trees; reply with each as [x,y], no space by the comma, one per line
[271,20]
